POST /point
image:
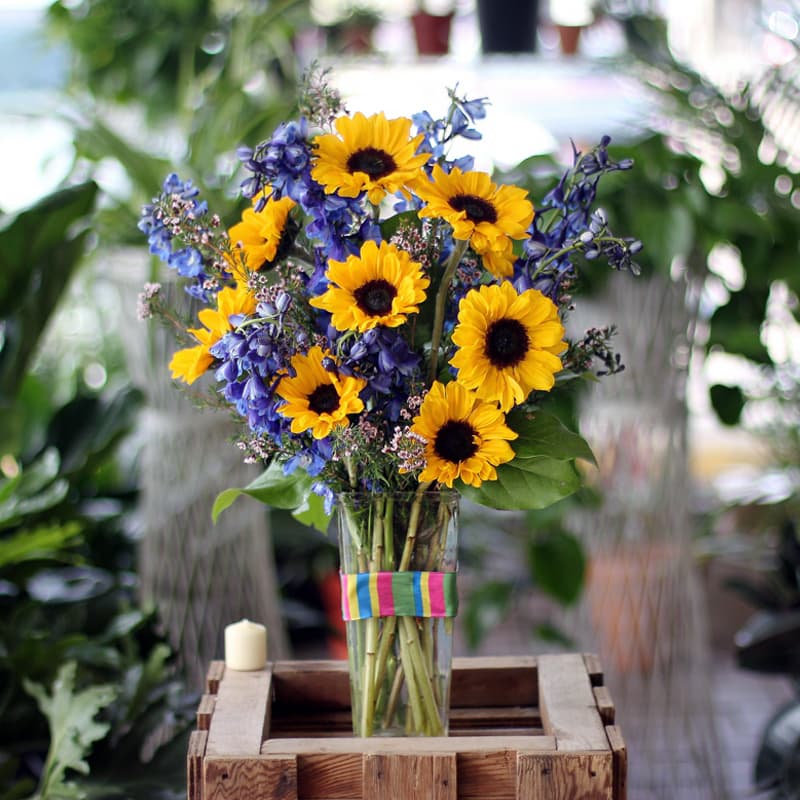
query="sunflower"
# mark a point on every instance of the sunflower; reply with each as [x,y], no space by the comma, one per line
[259,237]
[484,214]
[508,343]
[191,362]
[371,154]
[466,437]
[380,286]
[316,399]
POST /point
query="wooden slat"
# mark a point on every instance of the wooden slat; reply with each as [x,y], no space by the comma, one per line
[488,681]
[231,778]
[410,777]
[605,705]
[565,776]
[216,669]
[594,668]
[409,746]
[316,685]
[567,704]
[240,714]
[194,765]
[620,755]
[204,711]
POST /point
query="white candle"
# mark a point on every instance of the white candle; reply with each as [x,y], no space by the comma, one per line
[245,645]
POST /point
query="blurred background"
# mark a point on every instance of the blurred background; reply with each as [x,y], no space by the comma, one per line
[679,564]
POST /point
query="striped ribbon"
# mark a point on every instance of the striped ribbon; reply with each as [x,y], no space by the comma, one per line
[398,594]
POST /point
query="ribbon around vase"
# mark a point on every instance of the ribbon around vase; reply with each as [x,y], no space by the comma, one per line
[398,594]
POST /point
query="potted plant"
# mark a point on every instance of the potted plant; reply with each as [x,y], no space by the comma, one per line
[432,29]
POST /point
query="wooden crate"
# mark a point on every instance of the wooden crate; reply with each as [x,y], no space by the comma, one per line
[521,728]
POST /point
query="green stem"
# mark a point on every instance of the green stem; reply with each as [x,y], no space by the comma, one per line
[430,713]
[413,523]
[441,303]
[414,696]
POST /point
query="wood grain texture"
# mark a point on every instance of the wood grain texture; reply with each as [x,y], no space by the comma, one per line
[410,777]
[216,669]
[565,776]
[411,745]
[620,756]
[605,705]
[594,667]
[567,704]
[266,778]
[311,685]
[490,681]
[194,765]
[240,714]
[204,711]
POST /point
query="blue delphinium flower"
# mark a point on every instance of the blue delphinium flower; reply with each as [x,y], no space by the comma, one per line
[575,227]
[175,225]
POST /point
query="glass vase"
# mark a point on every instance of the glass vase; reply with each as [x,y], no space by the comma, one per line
[398,560]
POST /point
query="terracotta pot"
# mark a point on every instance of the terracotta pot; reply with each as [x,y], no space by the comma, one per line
[432,32]
[569,36]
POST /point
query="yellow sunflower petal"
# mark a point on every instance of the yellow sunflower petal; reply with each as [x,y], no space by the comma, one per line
[517,348]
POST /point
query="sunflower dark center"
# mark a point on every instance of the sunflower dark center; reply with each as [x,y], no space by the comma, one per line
[506,343]
[455,441]
[476,208]
[324,399]
[376,163]
[375,297]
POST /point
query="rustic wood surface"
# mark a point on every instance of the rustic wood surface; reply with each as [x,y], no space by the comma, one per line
[216,669]
[521,729]
[620,755]
[241,713]
[410,777]
[605,706]
[205,710]
[566,701]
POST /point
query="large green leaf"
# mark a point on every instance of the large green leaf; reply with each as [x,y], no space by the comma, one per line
[542,435]
[39,251]
[526,483]
[44,542]
[558,564]
[73,728]
[273,488]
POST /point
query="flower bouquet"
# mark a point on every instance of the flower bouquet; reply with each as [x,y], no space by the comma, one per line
[386,323]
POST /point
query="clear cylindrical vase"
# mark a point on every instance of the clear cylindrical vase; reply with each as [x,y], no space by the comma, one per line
[398,559]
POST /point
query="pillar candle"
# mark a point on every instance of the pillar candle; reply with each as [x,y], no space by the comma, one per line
[245,645]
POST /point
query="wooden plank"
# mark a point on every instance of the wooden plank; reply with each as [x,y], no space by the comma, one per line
[565,776]
[410,777]
[216,669]
[605,705]
[491,681]
[194,765]
[241,713]
[316,685]
[568,707]
[410,745]
[204,711]
[594,668]
[487,775]
[232,778]
[620,756]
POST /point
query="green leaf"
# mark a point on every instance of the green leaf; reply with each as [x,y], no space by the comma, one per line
[73,729]
[39,251]
[312,512]
[526,483]
[557,564]
[390,226]
[273,488]
[44,542]
[543,435]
